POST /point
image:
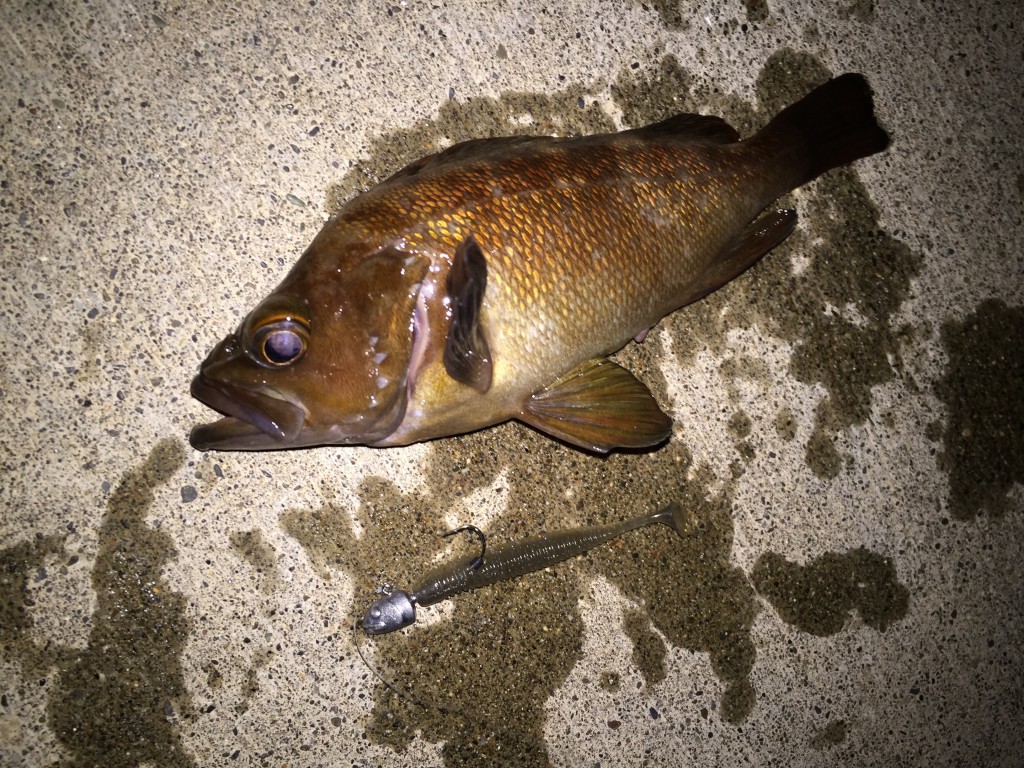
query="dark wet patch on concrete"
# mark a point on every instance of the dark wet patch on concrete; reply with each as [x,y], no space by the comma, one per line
[757,11]
[478,681]
[649,650]
[740,427]
[485,674]
[745,367]
[819,597]
[835,311]
[983,389]
[610,681]
[115,702]
[859,10]
[326,535]
[822,455]
[251,685]
[671,12]
[252,547]
[471,682]
[395,529]
[693,595]
[494,664]
[831,735]
[653,92]
[785,424]
[18,565]
[118,698]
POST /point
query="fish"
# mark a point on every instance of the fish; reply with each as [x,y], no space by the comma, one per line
[491,281]
[397,609]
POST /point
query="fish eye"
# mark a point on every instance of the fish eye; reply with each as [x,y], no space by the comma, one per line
[281,343]
[282,347]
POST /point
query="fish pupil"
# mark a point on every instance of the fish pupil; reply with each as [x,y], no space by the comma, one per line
[282,347]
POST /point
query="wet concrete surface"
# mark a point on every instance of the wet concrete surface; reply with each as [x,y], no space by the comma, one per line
[847,415]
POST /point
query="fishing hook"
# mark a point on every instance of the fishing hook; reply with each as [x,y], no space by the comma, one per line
[479,560]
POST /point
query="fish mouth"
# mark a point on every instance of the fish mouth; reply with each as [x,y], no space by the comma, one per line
[253,421]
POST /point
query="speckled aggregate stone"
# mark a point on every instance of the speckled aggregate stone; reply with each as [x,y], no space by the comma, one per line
[848,424]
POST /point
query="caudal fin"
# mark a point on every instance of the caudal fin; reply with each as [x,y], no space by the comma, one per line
[673,516]
[831,126]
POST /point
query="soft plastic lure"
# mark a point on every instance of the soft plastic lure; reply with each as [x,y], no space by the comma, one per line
[397,609]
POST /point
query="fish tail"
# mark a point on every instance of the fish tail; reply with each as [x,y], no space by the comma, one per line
[831,126]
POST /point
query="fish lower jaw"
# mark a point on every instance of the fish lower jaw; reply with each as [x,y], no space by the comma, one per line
[253,420]
[233,434]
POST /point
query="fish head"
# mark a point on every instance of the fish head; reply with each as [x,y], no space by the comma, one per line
[324,360]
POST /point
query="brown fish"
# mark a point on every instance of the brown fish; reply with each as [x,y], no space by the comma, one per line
[491,280]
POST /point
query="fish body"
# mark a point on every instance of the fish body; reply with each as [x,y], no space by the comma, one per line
[490,281]
[506,561]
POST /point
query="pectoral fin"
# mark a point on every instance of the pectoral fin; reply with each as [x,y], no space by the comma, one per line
[598,406]
[467,358]
[759,237]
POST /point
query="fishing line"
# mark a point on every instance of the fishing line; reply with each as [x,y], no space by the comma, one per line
[491,729]
[391,685]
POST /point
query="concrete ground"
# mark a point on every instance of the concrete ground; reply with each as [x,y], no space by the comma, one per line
[847,416]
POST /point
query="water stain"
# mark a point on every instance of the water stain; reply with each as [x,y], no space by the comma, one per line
[671,13]
[649,650]
[251,684]
[486,672]
[116,699]
[509,647]
[18,563]
[693,595]
[859,10]
[757,11]
[252,547]
[395,527]
[983,389]
[448,673]
[644,96]
[817,598]
[740,425]
[476,672]
[831,735]
[785,424]
[610,681]
[115,702]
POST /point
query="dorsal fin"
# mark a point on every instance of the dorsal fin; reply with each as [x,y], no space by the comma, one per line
[467,357]
[468,150]
[706,128]
[686,125]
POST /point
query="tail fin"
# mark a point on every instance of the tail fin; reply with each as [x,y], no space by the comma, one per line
[831,126]
[673,516]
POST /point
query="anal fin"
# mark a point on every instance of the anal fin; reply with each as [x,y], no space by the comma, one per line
[759,237]
[598,406]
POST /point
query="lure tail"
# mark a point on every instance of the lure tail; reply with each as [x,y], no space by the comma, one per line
[673,516]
